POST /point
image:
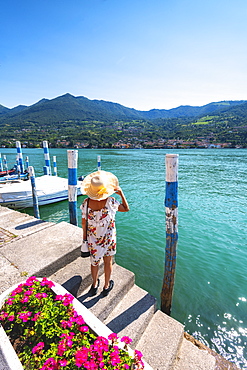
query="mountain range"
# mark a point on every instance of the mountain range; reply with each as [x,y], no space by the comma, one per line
[70,108]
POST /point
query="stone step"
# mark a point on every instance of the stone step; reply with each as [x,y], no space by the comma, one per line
[102,306]
[191,357]
[49,249]
[21,224]
[132,315]
[161,341]
[75,276]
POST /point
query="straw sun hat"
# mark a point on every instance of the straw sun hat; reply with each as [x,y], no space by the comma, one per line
[99,185]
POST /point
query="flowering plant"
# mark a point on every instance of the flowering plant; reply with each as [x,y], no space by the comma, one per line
[48,334]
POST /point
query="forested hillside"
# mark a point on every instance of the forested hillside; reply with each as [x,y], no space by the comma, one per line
[69,121]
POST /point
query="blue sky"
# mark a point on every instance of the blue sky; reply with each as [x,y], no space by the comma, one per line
[143,54]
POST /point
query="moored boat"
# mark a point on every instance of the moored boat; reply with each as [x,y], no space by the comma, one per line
[49,189]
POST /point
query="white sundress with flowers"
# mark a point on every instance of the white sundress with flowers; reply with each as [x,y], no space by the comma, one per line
[101,233]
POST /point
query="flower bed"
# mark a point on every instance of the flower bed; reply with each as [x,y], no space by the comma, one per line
[48,333]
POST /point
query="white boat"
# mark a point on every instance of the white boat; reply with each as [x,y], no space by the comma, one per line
[49,189]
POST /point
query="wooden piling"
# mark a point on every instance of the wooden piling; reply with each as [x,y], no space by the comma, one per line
[55,165]
[19,156]
[171,204]
[47,156]
[72,185]
[99,163]
[1,163]
[35,197]
[5,163]
[27,162]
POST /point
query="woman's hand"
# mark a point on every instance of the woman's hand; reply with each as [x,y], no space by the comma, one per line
[123,207]
[118,190]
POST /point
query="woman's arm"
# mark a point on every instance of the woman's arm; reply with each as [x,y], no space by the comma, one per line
[83,224]
[123,207]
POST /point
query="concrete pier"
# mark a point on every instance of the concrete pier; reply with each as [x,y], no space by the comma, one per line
[29,246]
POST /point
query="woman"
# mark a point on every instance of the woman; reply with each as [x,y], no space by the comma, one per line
[100,232]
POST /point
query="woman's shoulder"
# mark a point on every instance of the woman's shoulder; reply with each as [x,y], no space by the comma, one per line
[113,201]
[83,203]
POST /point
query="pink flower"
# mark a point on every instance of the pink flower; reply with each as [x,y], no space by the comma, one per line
[138,354]
[113,337]
[63,362]
[28,293]
[61,349]
[11,317]
[31,280]
[24,316]
[50,364]
[10,301]
[24,300]
[3,315]
[67,299]
[59,297]
[17,290]
[38,347]
[41,295]
[81,356]
[126,340]
[49,283]
[36,316]
[83,329]
[79,320]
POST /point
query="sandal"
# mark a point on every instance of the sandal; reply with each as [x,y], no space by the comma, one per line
[93,290]
[105,292]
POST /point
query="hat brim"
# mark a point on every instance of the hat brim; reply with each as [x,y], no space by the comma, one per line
[111,182]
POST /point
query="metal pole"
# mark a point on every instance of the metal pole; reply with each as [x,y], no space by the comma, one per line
[72,185]
[55,165]
[34,192]
[99,164]
[171,204]
[47,156]
[19,155]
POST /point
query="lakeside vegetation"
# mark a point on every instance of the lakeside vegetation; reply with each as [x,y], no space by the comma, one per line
[69,122]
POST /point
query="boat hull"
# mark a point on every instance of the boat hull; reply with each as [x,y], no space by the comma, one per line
[49,189]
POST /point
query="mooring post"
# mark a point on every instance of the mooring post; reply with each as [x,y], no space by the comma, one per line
[34,192]
[1,163]
[55,165]
[5,163]
[47,157]
[19,155]
[27,162]
[99,163]
[72,185]
[171,204]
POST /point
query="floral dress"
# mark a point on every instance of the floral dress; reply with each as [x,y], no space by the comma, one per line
[101,231]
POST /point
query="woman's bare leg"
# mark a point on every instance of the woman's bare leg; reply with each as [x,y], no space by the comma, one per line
[107,270]
[95,275]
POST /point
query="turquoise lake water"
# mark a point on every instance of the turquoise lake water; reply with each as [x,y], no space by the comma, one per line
[210,292]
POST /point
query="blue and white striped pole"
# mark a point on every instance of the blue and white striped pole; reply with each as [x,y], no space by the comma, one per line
[1,163]
[47,157]
[46,170]
[19,155]
[99,164]
[34,192]
[171,204]
[55,165]
[5,163]
[72,185]
[27,162]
